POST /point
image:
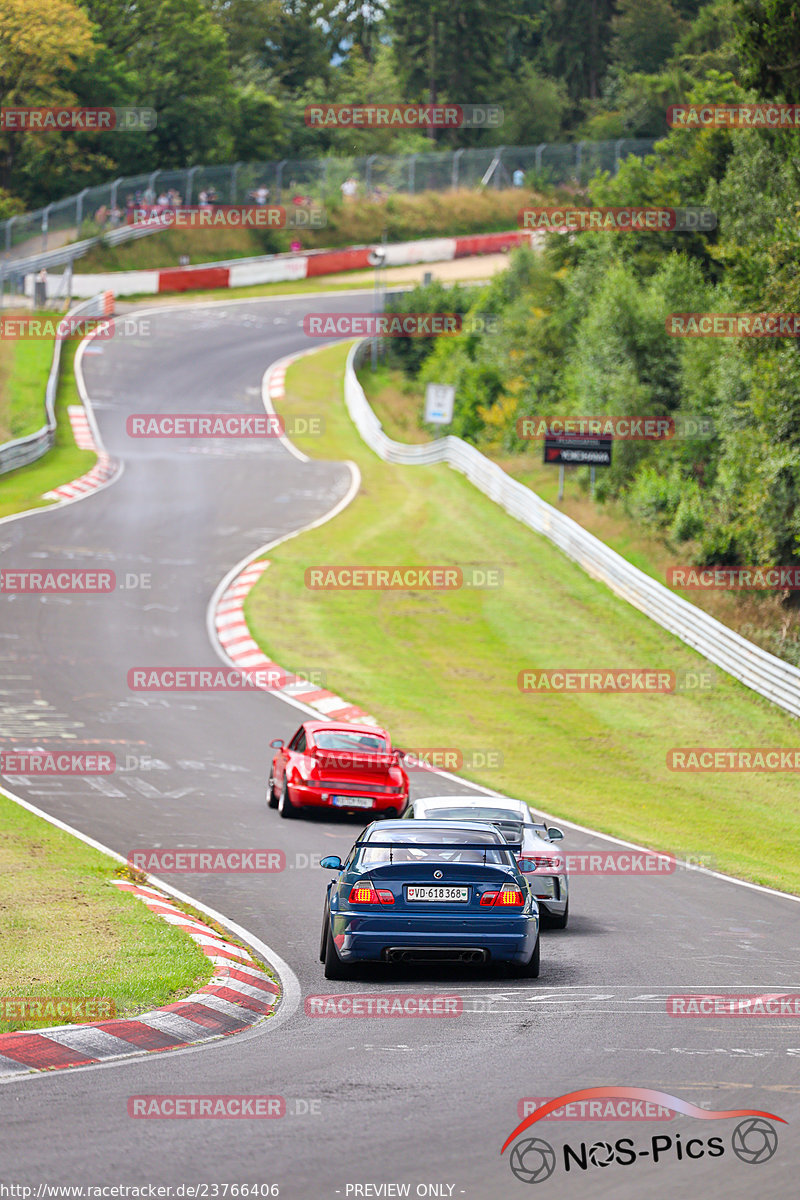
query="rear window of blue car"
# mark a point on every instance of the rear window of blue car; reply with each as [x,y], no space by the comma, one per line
[441,845]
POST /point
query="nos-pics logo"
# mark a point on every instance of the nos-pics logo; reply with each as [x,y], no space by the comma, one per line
[533,1160]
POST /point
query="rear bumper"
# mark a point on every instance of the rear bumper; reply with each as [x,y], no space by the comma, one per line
[556,902]
[382,802]
[371,939]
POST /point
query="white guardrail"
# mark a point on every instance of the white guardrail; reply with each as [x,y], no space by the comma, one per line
[771,677]
[26,450]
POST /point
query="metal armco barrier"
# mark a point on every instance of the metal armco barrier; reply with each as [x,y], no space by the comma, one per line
[765,674]
[18,268]
[25,450]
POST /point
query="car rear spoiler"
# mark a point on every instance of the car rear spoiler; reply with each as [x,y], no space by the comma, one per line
[370,845]
[356,758]
[512,831]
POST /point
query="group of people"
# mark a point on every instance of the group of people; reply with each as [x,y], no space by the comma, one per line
[108,216]
[146,199]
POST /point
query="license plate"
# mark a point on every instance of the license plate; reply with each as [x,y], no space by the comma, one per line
[543,887]
[459,895]
[352,801]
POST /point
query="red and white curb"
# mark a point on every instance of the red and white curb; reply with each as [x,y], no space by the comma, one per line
[239,995]
[101,472]
[234,636]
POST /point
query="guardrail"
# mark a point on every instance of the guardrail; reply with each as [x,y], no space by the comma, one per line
[765,674]
[18,268]
[25,450]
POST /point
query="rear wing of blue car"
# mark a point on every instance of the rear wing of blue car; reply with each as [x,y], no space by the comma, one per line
[407,844]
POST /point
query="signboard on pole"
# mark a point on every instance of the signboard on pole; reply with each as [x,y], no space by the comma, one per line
[439,401]
[576,451]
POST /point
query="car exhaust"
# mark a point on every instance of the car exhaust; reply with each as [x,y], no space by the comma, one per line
[458,954]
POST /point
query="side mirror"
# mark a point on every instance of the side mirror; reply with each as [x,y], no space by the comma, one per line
[331,862]
[554,834]
[527,864]
[277,743]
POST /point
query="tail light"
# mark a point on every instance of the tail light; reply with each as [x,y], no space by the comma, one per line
[538,863]
[363,892]
[508,897]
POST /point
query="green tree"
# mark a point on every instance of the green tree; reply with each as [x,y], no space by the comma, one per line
[768,40]
[645,32]
[534,106]
[40,44]
[447,51]
[176,61]
[300,41]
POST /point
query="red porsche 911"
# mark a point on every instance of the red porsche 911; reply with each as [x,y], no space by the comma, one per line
[352,768]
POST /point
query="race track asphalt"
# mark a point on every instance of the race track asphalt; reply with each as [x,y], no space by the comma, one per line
[425,1102]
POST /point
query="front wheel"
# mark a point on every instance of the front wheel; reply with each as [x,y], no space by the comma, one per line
[334,967]
[285,807]
[272,799]
[323,941]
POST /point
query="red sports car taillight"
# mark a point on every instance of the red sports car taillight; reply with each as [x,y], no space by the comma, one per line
[364,893]
[504,899]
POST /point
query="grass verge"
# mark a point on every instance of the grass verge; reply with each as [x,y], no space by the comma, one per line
[68,932]
[440,668]
[25,488]
[24,368]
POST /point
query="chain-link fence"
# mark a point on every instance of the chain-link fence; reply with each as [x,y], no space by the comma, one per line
[98,209]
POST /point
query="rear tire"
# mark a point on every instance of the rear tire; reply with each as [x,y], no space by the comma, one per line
[272,799]
[561,921]
[334,967]
[530,969]
[285,807]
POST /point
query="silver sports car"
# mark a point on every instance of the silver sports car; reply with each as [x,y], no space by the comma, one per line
[532,840]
